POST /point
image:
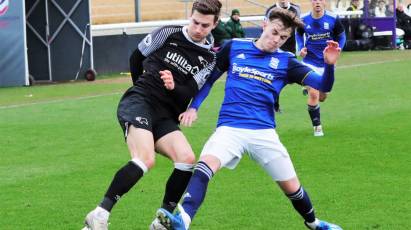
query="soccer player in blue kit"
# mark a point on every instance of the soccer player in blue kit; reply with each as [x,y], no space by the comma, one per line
[320,26]
[257,71]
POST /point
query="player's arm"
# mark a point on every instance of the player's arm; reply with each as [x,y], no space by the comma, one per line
[299,38]
[136,64]
[190,115]
[301,74]
[222,64]
[148,45]
[179,92]
[339,31]
[186,91]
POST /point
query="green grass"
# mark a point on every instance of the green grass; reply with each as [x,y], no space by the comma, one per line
[60,147]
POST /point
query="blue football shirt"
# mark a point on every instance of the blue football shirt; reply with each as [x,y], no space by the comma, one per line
[315,34]
[254,81]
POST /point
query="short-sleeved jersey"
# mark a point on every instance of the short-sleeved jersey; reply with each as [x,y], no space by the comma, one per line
[254,82]
[171,48]
[290,44]
[316,32]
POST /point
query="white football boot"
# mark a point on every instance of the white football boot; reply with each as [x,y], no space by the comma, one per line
[96,220]
[156,225]
[318,131]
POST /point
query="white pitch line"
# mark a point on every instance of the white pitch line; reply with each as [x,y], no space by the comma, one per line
[368,63]
[56,101]
[110,94]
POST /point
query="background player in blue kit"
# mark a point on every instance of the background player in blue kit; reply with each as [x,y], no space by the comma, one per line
[320,26]
[257,71]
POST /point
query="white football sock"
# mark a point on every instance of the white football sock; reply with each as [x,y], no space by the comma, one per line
[313,225]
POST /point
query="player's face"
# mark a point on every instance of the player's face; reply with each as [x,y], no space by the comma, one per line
[318,5]
[200,26]
[274,35]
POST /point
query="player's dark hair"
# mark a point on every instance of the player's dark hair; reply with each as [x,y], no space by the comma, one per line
[207,7]
[288,18]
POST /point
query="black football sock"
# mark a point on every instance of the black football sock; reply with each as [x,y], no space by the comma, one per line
[176,185]
[123,181]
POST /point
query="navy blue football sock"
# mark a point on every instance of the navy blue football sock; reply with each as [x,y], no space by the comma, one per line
[197,188]
[301,202]
[314,111]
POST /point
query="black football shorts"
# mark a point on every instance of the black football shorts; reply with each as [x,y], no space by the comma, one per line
[135,108]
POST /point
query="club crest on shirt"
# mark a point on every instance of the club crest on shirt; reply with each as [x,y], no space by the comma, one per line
[274,63]
[326,25]
[240,56]
[148,40]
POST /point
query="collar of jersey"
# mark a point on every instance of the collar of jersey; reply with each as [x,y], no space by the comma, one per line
[325,12]
[209,40]
[287,8]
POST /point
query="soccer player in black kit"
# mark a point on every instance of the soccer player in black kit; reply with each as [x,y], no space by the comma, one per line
[169,67]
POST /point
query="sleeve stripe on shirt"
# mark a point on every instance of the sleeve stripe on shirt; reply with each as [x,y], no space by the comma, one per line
[158,39]
[306,75]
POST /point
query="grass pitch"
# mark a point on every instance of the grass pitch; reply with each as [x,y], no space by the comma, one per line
[60,146]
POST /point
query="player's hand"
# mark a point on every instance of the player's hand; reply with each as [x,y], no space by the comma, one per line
[188,117]
[303,52]
[168,79]
[332,52]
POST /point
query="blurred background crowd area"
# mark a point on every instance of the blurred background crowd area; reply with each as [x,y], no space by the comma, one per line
[119,11]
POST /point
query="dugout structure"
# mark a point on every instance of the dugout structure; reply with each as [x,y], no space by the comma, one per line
[44,40]
[58,39]
[59,43]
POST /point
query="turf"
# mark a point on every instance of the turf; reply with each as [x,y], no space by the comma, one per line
[60,146]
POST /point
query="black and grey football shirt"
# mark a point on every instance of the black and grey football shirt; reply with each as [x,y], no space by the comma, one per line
[171,48]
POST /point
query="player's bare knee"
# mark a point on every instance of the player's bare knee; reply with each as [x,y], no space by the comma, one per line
[322,97]
[290,186]
[213,162]
[150,162]
[313,97]
[148,158]
[187,157]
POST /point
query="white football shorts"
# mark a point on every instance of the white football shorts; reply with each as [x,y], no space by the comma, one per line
[319,70]
[262,145]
